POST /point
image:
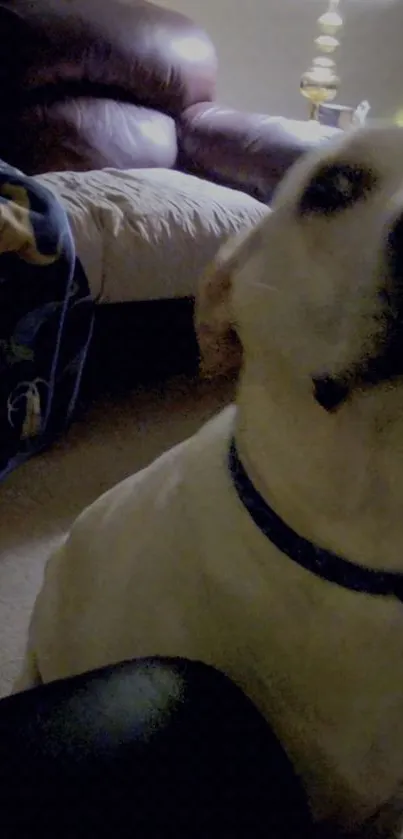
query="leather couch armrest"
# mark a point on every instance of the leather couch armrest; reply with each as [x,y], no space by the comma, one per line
[246,151]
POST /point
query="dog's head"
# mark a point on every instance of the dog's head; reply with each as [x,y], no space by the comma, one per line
[320,281]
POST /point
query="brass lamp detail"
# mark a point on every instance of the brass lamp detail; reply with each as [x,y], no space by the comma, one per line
[320,83]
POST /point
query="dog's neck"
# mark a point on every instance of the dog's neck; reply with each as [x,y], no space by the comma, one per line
[337,479]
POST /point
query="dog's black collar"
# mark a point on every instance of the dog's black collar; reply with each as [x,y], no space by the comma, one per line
[318,561]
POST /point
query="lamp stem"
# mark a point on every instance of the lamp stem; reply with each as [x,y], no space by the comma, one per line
[320,83]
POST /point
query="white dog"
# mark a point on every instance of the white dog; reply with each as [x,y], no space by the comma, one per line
[270,544]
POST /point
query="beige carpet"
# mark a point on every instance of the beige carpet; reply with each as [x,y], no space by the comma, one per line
[39,501]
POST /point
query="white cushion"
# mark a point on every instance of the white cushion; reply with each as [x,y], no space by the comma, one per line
[147,234]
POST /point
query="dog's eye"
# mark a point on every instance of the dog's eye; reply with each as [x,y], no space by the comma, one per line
[335,188]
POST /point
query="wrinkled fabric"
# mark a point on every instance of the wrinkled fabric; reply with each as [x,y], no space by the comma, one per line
[148,234]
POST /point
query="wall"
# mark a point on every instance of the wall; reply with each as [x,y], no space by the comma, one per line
[265,45]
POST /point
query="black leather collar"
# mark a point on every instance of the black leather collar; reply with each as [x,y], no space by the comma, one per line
[323,563]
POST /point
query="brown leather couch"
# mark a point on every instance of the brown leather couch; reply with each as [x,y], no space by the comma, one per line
[88,84]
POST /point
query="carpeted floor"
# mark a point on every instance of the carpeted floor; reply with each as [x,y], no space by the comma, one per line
[39,501]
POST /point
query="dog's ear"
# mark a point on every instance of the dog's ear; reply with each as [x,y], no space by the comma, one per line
[219,345]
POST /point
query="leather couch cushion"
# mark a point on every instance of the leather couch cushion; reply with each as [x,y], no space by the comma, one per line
[245,150]
[86,84]
[87,133]
[143,53]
